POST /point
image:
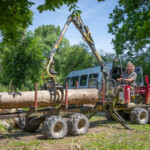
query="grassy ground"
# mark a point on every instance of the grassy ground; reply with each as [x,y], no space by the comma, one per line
[101,135]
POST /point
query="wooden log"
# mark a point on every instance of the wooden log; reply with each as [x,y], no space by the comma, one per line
[9,100]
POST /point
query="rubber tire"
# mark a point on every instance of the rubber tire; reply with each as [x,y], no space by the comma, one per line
[108,116]
[49,125]
[135,116]
[73,124]
[28,127]
[149,114]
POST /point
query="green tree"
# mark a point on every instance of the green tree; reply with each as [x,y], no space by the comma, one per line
[107,57]
[17,14]
[67,58]
[131,29]
[131,26]
[22,64]
[73,58]
[48,35]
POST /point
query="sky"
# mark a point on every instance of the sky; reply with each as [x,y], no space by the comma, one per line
[94,14]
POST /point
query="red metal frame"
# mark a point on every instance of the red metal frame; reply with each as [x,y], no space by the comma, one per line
[144,90]
[35,104]
[66,96]
[148,90]
[103,100]
[77,85]
[127,94]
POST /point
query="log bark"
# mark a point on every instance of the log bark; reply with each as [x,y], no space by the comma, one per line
[9,100]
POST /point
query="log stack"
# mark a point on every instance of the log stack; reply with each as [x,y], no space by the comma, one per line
[9,100]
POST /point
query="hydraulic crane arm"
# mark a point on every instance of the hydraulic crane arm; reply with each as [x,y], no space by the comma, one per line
[84,30]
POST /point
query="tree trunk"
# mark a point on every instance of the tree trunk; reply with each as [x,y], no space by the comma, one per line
[9,100]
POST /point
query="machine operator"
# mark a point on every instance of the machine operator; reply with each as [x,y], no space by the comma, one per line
[129,75]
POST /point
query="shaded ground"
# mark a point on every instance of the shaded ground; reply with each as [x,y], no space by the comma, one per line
[101,135]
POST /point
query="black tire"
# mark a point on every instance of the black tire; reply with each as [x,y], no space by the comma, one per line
[139,116]
[149,114]
[108,116]
[54,127]
[28,127]
[78,124]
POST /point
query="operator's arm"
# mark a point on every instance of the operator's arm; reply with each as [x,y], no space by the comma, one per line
[133,78]
[129,80]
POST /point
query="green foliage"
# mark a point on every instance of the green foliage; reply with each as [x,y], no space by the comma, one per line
[15,15]
[107,57]
[53,5]
[131,26]
[48,35]
[72,58]
[22,64]
[67,58]
[2,128]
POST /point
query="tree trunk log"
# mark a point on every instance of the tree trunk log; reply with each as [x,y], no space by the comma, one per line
[9,100]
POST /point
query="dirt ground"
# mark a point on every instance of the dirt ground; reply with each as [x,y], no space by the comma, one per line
[27,138]
[101,135]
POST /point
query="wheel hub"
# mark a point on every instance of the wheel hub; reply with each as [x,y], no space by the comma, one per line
[81,124]
[58,128]
[143,117]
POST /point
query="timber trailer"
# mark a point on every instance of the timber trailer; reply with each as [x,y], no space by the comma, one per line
[59,120]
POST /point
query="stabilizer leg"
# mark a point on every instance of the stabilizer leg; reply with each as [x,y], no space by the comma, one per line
[118,118]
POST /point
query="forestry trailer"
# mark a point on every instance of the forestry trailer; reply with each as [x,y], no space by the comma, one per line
[117,101]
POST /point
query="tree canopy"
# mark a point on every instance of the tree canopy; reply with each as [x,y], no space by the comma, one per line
[17,14]
[131,26]
[23,63]
[131,29]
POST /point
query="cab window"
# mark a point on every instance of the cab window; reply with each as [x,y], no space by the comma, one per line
[74,81]
[92,79]
[83,80]
[93,76]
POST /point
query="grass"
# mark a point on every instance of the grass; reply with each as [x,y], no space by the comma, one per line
[2,128]
[102,135]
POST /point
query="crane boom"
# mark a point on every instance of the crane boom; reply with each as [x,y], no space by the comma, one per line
[86,35]
[84,30]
